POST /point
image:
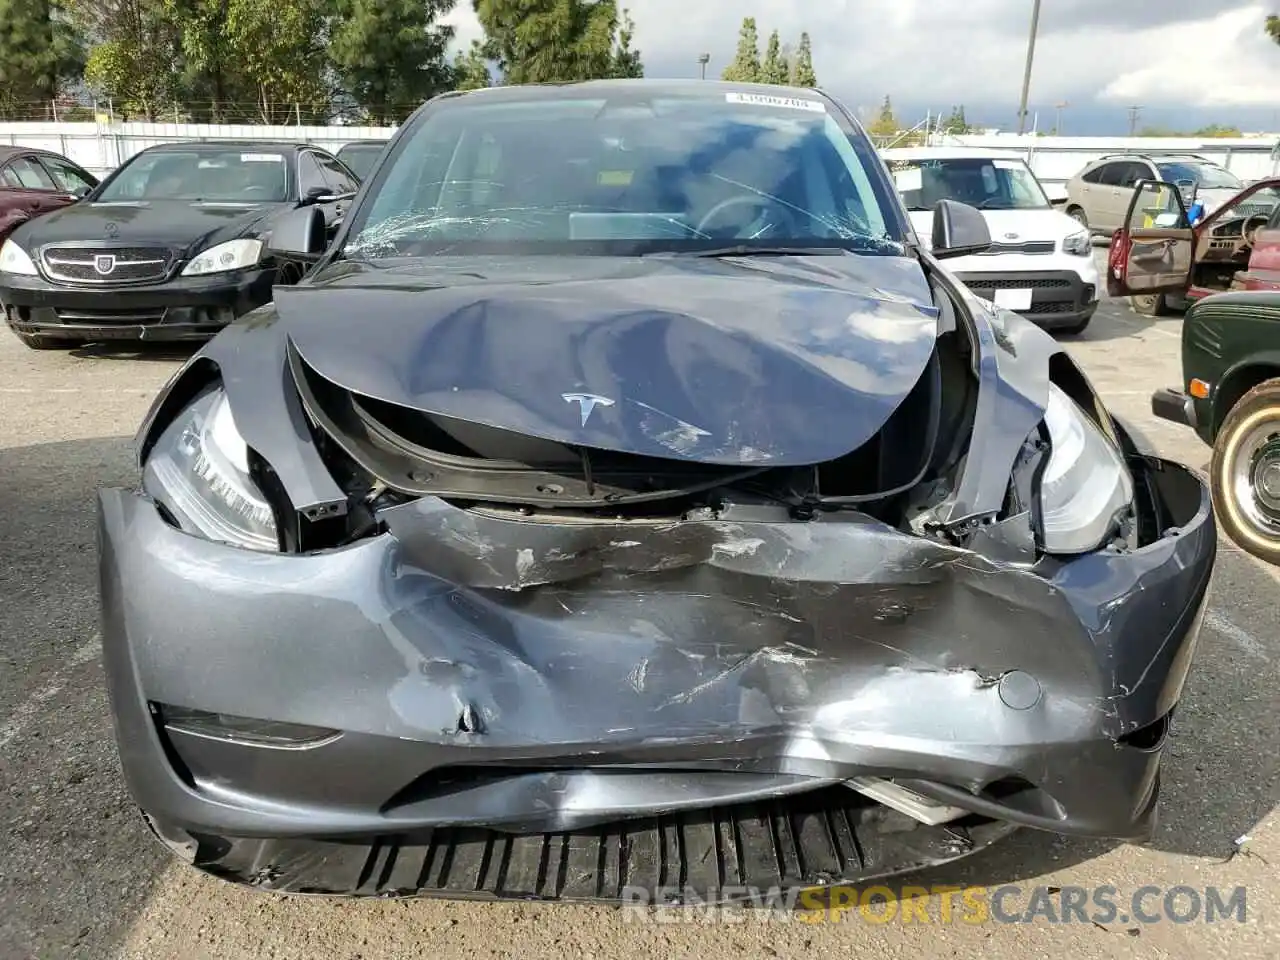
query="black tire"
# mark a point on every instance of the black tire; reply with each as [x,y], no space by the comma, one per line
[1078,214]
[1246,455]
[36,341]
[1150,305]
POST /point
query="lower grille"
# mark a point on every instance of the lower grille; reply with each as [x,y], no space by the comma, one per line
[106,265]
[1019,283]
[717,855]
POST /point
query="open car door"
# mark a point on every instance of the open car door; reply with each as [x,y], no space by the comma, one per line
[1154,250]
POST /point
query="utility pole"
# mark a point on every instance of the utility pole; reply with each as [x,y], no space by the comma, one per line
[703,60]
[1133,119]
[1026,77]
[1057,119]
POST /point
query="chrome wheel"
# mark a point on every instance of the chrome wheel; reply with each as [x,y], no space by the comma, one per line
[1254,476]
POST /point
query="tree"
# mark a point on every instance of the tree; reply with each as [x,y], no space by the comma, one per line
[1218,130]
[1273,27]
[39,50]
[470,69]
[774,69]
[136,55]
[745,67]
[211,73]
[281,49]
[885,124]
[552,41]
[956,123]
[390,55]
[626,61]
[802,74]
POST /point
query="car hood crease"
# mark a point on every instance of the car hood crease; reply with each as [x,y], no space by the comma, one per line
[758,361]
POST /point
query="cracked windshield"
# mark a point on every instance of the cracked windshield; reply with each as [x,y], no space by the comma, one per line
[636,177]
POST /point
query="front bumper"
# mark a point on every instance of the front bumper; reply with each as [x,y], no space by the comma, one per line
[494,678]
[1175,406]
[181,308]
[1059,298]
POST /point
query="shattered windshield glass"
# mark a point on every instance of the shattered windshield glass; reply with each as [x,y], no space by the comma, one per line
[593,175]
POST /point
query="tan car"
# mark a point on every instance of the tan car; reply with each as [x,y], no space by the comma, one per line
[1098,196]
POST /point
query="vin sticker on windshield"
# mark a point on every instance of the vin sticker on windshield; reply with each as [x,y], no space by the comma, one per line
[261,158]
[764,100]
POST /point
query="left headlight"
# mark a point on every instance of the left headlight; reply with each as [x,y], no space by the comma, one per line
[1086,486]
[1079,244]
[232,255]
[199,471]
[13,259]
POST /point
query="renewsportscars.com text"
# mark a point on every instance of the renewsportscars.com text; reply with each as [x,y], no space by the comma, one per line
[1008,903]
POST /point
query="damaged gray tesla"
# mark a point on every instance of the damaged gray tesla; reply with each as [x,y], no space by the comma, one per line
[626,500]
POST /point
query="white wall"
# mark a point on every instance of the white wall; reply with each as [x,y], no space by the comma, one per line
[1056,160]
[100,148]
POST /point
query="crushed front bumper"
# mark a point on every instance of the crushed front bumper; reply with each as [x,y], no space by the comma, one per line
[182,308]
[491,678]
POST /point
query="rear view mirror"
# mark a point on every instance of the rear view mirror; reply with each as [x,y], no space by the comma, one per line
[958,230]
[298,235]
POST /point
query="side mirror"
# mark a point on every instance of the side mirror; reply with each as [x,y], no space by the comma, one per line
[958,230]
[318,195]
[298,235]
[81,192]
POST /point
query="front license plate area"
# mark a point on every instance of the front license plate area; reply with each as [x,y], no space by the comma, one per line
[1013,299]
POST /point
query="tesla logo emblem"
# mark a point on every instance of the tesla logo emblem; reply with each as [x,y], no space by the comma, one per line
[110,229]
[586,403]
[1011,236]
[104,263]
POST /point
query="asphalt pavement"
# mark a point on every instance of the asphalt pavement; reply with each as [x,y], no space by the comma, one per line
[81,877]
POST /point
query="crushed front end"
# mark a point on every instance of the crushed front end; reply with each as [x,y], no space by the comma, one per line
[569,682]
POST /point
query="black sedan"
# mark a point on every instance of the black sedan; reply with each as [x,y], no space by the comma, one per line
[170,246]
[624,500]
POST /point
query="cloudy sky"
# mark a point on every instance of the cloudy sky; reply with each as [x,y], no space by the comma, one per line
[1187,63]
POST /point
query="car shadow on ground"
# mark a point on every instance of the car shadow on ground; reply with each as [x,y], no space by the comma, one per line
[77,865]
[156,351]
[1116,320]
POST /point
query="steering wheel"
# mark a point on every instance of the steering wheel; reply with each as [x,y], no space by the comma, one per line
[752,200]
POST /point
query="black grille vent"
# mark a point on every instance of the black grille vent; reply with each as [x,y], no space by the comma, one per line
[1032,247]
[107,265]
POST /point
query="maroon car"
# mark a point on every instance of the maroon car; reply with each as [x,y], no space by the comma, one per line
[34,182]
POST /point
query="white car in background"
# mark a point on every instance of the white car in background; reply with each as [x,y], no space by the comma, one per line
[1040,263]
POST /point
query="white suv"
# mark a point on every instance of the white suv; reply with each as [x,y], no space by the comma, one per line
[1040,263]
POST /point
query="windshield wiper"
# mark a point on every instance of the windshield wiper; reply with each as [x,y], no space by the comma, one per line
[743,250]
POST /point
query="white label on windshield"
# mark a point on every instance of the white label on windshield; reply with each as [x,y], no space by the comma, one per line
[908,179]
[261,158]
[1007,164]
[764,100]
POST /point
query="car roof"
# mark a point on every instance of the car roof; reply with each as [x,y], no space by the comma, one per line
[949,153]
[529,92]
[7,151]
[281,146]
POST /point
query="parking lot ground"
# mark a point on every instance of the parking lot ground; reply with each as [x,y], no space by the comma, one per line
[81,877]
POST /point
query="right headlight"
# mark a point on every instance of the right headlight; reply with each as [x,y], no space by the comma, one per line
[13,259]
[198,471]
[1085,487]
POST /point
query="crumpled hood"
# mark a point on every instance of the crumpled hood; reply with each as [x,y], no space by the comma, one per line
[777,361]
[178,224]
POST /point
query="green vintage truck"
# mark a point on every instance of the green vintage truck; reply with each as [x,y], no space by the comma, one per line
[1230,395]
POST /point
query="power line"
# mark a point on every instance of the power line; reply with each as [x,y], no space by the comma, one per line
[1026,76]
[1133,119]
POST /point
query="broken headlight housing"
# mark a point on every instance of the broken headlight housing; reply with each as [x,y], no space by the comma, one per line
[1086,487]
[198,471]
